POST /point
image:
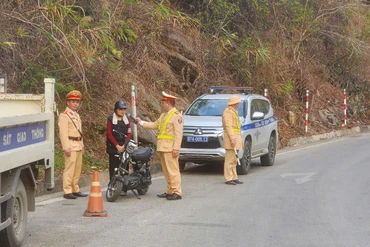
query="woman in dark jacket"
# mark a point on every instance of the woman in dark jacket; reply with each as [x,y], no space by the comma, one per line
[118,121]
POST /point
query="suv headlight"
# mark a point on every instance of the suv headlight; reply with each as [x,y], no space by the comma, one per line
[220,136]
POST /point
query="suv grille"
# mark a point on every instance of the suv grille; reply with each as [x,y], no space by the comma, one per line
[212,143]
[190,130]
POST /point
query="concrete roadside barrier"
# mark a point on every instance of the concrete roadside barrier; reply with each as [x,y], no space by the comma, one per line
[338,133]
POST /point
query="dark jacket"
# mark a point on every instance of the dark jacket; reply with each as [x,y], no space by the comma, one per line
[113,138]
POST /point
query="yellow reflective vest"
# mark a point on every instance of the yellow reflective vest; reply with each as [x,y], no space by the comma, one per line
[170,126]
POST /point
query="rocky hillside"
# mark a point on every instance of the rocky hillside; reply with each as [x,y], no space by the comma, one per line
[103,47]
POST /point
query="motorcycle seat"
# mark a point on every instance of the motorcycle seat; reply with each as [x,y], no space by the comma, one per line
[142,154]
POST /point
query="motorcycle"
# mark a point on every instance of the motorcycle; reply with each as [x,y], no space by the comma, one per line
[139,179]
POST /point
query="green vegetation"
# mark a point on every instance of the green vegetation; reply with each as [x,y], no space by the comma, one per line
[102,47]
[89,163]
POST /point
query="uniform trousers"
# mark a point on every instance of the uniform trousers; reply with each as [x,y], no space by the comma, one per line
[171,171]
[72,172]
[230,165]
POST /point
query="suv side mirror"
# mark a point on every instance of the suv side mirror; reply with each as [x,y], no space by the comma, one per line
[258,115]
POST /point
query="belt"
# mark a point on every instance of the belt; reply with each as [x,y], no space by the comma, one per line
[74,138]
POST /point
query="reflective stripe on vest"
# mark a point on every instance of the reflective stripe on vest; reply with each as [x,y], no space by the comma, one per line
[162,128]
[237,129]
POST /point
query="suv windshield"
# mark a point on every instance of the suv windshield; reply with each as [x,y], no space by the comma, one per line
[210,107]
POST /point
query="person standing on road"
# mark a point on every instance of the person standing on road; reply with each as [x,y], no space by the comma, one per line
[70,133]
[117,123]
[170,126]
[232,139]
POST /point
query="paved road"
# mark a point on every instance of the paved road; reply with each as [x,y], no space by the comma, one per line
[314,195]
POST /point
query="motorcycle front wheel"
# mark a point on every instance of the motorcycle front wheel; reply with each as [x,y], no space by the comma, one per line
[114,190]
[142,191]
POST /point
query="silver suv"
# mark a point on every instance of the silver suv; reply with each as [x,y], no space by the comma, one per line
[203,133]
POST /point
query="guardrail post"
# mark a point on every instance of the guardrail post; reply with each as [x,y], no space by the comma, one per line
[3,82]
[307,99]
[2,85]
[133,111]
[345,108]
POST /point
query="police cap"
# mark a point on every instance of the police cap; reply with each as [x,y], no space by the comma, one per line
[74,95]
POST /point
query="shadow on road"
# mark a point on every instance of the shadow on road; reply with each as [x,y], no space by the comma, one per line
[216,168]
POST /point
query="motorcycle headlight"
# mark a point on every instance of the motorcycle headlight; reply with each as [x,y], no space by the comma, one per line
[131,147]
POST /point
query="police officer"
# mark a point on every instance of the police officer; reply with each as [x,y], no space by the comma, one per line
[70,133]
[232,139]
[170,126]
[115,143]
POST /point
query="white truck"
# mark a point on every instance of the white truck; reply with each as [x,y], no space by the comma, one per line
[26,142]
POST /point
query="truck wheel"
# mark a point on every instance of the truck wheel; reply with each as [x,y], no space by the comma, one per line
[182,165]
[17,209]
[245,162]
[114,190]
[269,158]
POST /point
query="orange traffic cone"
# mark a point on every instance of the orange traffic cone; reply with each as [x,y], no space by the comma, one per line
[95,207]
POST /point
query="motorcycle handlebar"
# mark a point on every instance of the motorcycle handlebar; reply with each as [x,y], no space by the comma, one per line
[132,118]
[120,133]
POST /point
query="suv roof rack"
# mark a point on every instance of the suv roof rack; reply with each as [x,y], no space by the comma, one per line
[218,89]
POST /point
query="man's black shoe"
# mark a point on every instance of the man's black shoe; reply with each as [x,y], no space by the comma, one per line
[79,194]
[174,196]
[238,182]
[69,196]
[231,182]
[164,195]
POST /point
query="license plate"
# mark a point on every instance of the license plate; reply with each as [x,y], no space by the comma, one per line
[197,139]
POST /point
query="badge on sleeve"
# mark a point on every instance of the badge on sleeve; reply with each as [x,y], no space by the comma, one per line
[179,121]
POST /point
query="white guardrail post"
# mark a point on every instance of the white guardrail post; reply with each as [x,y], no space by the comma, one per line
[2,85]
[133,111]
[307,99]
[345,108]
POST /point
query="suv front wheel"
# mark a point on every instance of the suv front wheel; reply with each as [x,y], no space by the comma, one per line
[182,165]
[245,162]
[269,158]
